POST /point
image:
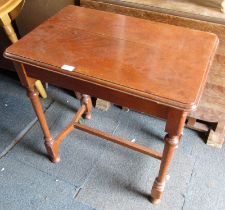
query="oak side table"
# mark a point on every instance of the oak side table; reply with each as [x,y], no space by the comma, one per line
[150,67]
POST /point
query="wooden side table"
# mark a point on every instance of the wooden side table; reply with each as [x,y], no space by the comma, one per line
[154,68]
[189,14]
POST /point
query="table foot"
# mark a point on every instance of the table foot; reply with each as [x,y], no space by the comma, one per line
[171,143]
[55,160]
[52,151]
[157,192]
[88,116]
[155,201]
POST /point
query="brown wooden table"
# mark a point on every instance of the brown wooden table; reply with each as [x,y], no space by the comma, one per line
[154,68]
[209,118]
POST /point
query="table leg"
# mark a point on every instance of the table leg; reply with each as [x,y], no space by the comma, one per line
[52,146]
[86,100]
[171,143]
[7,25]
[174,129]
[49,141]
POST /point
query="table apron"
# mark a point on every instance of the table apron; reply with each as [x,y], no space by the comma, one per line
[100,91]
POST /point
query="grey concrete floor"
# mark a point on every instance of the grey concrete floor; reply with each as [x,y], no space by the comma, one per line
[95,174]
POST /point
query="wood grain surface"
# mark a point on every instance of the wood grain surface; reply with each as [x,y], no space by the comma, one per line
[211,106]
[165,63]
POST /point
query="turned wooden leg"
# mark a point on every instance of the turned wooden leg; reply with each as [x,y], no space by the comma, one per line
[49,141]
[171,143]
[7,25]
[86,100]
[174,128]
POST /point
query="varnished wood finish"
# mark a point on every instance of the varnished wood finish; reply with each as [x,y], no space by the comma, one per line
[174,128]
[211,106]
[154,68]
[33,95]
[86,100]
[117,140]
[108,93]
[132,44]
[68,129]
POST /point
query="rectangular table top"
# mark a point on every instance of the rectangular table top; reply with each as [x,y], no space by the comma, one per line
[160,62]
